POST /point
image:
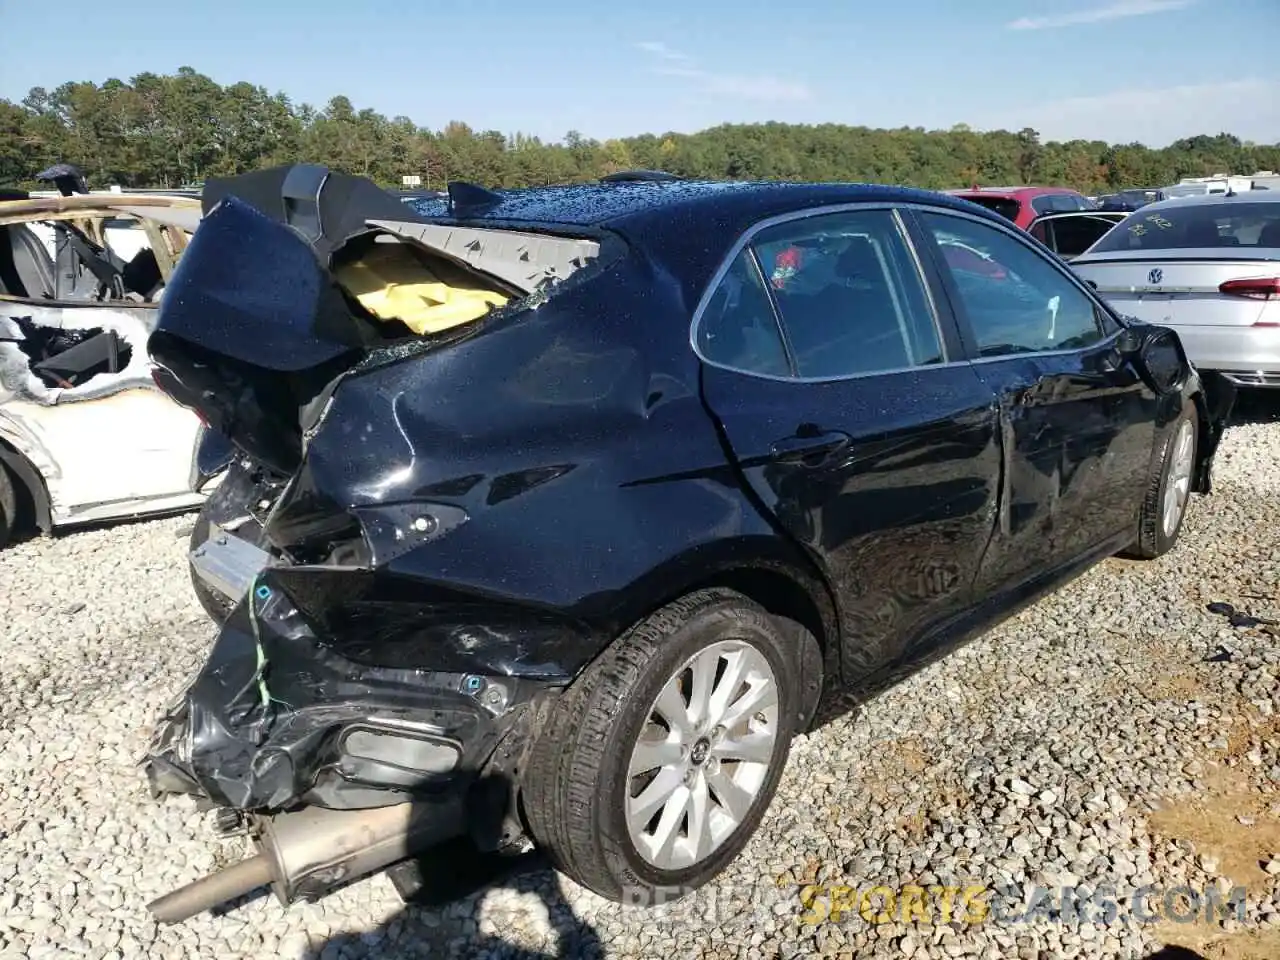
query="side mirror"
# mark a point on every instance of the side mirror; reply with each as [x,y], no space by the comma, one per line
[1092,283]
[1163,360]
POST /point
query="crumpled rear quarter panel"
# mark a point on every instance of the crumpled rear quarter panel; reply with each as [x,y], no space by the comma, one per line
[573,439]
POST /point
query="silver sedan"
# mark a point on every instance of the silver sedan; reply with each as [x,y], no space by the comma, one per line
[1209,267]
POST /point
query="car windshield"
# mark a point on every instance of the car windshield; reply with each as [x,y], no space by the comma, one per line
[1196,226]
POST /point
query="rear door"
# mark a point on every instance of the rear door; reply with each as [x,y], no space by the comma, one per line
[1078,429]
[106,442]
[1071,234]
[841,395]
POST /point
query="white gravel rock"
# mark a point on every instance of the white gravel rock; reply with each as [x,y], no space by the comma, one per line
[1032,755]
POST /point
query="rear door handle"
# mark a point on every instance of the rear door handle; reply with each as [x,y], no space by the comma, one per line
[812,450]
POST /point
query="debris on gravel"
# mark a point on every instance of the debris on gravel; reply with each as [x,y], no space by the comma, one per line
[1097,776]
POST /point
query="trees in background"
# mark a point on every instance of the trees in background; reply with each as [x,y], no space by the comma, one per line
[165,131]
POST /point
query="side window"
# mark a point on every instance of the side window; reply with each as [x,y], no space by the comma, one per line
[738,328]
[850,294]
[1040,230]
[1016,300]
[1043,204]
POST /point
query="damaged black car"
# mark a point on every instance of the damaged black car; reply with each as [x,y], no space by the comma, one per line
[549,517]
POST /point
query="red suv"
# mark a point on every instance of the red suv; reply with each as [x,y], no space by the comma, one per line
[1024,204]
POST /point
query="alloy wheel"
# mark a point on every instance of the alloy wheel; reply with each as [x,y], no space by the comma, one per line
[703,755]
[1178,484]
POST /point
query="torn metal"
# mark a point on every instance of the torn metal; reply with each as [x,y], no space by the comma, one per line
[83,427]
[344,682]
[280,716]
[488,466]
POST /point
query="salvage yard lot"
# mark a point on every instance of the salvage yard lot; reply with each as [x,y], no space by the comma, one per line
[1117,732]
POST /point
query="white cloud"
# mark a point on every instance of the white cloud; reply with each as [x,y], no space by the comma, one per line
[760,88]
[1120,10]
[662,51]
[1248,108]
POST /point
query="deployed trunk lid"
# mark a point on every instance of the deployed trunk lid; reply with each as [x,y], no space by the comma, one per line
[297,273]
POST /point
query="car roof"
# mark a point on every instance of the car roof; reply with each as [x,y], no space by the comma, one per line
[1063,214]
[734,202]
[1013,193]
[1212,199]
[178,211]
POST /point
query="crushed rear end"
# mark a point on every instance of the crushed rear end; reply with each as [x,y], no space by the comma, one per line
[353,709]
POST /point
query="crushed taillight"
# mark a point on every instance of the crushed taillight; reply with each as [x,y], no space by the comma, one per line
[1255,288]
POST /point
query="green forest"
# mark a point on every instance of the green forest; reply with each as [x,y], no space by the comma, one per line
[174,130]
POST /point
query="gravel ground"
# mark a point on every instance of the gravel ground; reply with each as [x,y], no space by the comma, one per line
[1116,733]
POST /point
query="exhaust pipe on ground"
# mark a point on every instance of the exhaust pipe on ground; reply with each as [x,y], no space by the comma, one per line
[217,888]
[309,852]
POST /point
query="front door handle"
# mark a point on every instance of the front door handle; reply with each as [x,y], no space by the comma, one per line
[812,449]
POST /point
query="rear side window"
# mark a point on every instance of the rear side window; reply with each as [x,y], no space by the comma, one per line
[850,295]
[1197,226]
[738,328]
[1058,203]
[1043,205]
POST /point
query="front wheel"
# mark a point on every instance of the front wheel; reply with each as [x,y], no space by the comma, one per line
[1168,489]
[657,766]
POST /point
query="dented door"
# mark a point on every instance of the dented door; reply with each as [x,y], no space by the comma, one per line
[1077,420]
[109,446]
[127,451]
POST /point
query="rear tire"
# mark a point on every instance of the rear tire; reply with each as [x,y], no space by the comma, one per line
[607,752]
[8,506]
[1168,489]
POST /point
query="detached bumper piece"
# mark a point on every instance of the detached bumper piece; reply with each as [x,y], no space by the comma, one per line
[339,768]
[229,564]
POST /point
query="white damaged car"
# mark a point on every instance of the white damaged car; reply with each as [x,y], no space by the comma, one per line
[85,435]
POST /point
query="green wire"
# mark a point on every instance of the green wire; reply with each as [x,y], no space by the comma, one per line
[260,672]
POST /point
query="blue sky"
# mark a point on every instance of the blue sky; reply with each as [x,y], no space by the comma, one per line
[1119,70]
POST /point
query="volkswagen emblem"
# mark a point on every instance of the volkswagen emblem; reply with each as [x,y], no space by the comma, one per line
[1155,276]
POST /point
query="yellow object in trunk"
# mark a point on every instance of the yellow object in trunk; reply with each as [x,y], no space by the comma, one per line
[394,284]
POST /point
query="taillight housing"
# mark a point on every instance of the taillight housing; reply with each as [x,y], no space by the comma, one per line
[1255,288]
[157,377]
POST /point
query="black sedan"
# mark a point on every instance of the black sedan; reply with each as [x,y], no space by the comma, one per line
[569,507]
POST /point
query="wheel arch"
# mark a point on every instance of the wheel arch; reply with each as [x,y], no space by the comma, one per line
[805,610]
[765,570]
[1214,397]
[32,491]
